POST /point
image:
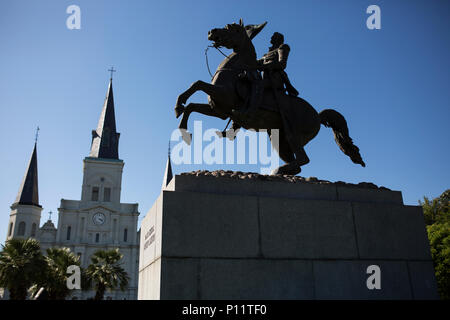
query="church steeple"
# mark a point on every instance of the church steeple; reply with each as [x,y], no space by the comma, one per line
[105,140]
[168,173]
[28,192]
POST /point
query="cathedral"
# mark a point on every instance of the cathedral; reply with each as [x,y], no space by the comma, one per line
[98,220]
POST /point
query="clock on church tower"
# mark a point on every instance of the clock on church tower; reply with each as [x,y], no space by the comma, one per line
[99,219]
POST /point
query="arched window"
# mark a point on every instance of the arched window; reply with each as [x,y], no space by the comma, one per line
[10,229]
[69,229]
[107,195]
[97,237]
[21,231]
[125,235]
[95,192]
[33,230]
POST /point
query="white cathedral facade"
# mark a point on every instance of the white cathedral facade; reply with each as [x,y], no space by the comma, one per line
[98,220]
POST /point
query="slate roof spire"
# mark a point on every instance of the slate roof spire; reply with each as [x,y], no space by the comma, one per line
[168,173]
[105,140]
[28,192]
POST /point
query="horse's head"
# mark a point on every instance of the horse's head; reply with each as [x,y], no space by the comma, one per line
[235,35]
[231,37]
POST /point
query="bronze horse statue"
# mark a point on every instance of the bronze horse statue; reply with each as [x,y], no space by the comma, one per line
[298,122]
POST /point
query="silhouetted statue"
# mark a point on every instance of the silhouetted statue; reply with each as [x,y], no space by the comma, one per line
[268,101]
[272,64]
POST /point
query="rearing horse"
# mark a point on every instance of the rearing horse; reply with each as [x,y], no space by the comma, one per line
[296,119]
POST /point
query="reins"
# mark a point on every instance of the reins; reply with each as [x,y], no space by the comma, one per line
[221,69]
[212,76]
[207,62]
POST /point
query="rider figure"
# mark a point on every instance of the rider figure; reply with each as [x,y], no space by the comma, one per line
[272,64]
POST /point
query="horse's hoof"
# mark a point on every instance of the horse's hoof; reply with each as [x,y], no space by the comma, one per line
[179,111]
[231,134]
[187,137]
[221,134]
[277,171]
[289,169]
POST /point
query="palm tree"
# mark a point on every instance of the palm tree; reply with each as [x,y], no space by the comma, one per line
[105,272]
[21,266]
[55,281]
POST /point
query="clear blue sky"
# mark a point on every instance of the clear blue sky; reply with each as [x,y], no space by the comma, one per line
[392,85]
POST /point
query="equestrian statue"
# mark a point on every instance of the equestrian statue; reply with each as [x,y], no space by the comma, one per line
[257,94]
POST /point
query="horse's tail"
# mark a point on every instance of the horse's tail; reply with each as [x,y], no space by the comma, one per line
[335,120]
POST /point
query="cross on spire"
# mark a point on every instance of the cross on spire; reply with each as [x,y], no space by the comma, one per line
[50,215]
[37,135]
[112,70]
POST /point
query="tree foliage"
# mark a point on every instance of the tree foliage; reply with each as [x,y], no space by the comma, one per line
[106,272]
[21,266]
[55,280]
[24,269]
[437,219]
[436,210]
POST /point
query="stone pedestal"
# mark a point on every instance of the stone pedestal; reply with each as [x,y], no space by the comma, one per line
[256,237]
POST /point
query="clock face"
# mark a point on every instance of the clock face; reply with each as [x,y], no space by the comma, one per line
[99,218]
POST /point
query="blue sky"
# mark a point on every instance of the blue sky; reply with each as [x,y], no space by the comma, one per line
[392,85]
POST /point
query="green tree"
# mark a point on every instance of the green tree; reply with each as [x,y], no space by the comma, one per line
[21,266]
[436,210]
[55,279]
[106,272]
[437,219]
[439,236]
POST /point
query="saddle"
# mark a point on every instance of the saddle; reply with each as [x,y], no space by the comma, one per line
[268,102]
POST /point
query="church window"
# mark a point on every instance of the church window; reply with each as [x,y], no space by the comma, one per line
[107,195]
[21,231]
[125,235]
[69,229]
[33,230]
[97,237]
[10,229]
[95,191]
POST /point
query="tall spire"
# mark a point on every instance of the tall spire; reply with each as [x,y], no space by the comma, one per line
[28,192]
[168,172]
[105,140]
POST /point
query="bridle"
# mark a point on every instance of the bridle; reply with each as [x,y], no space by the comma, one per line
[222,69]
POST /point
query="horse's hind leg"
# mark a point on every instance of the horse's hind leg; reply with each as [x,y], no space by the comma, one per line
[202,108]
[301,157]
[293,160]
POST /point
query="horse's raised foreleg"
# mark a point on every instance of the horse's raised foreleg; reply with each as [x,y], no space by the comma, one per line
[202,108]
[199,85]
